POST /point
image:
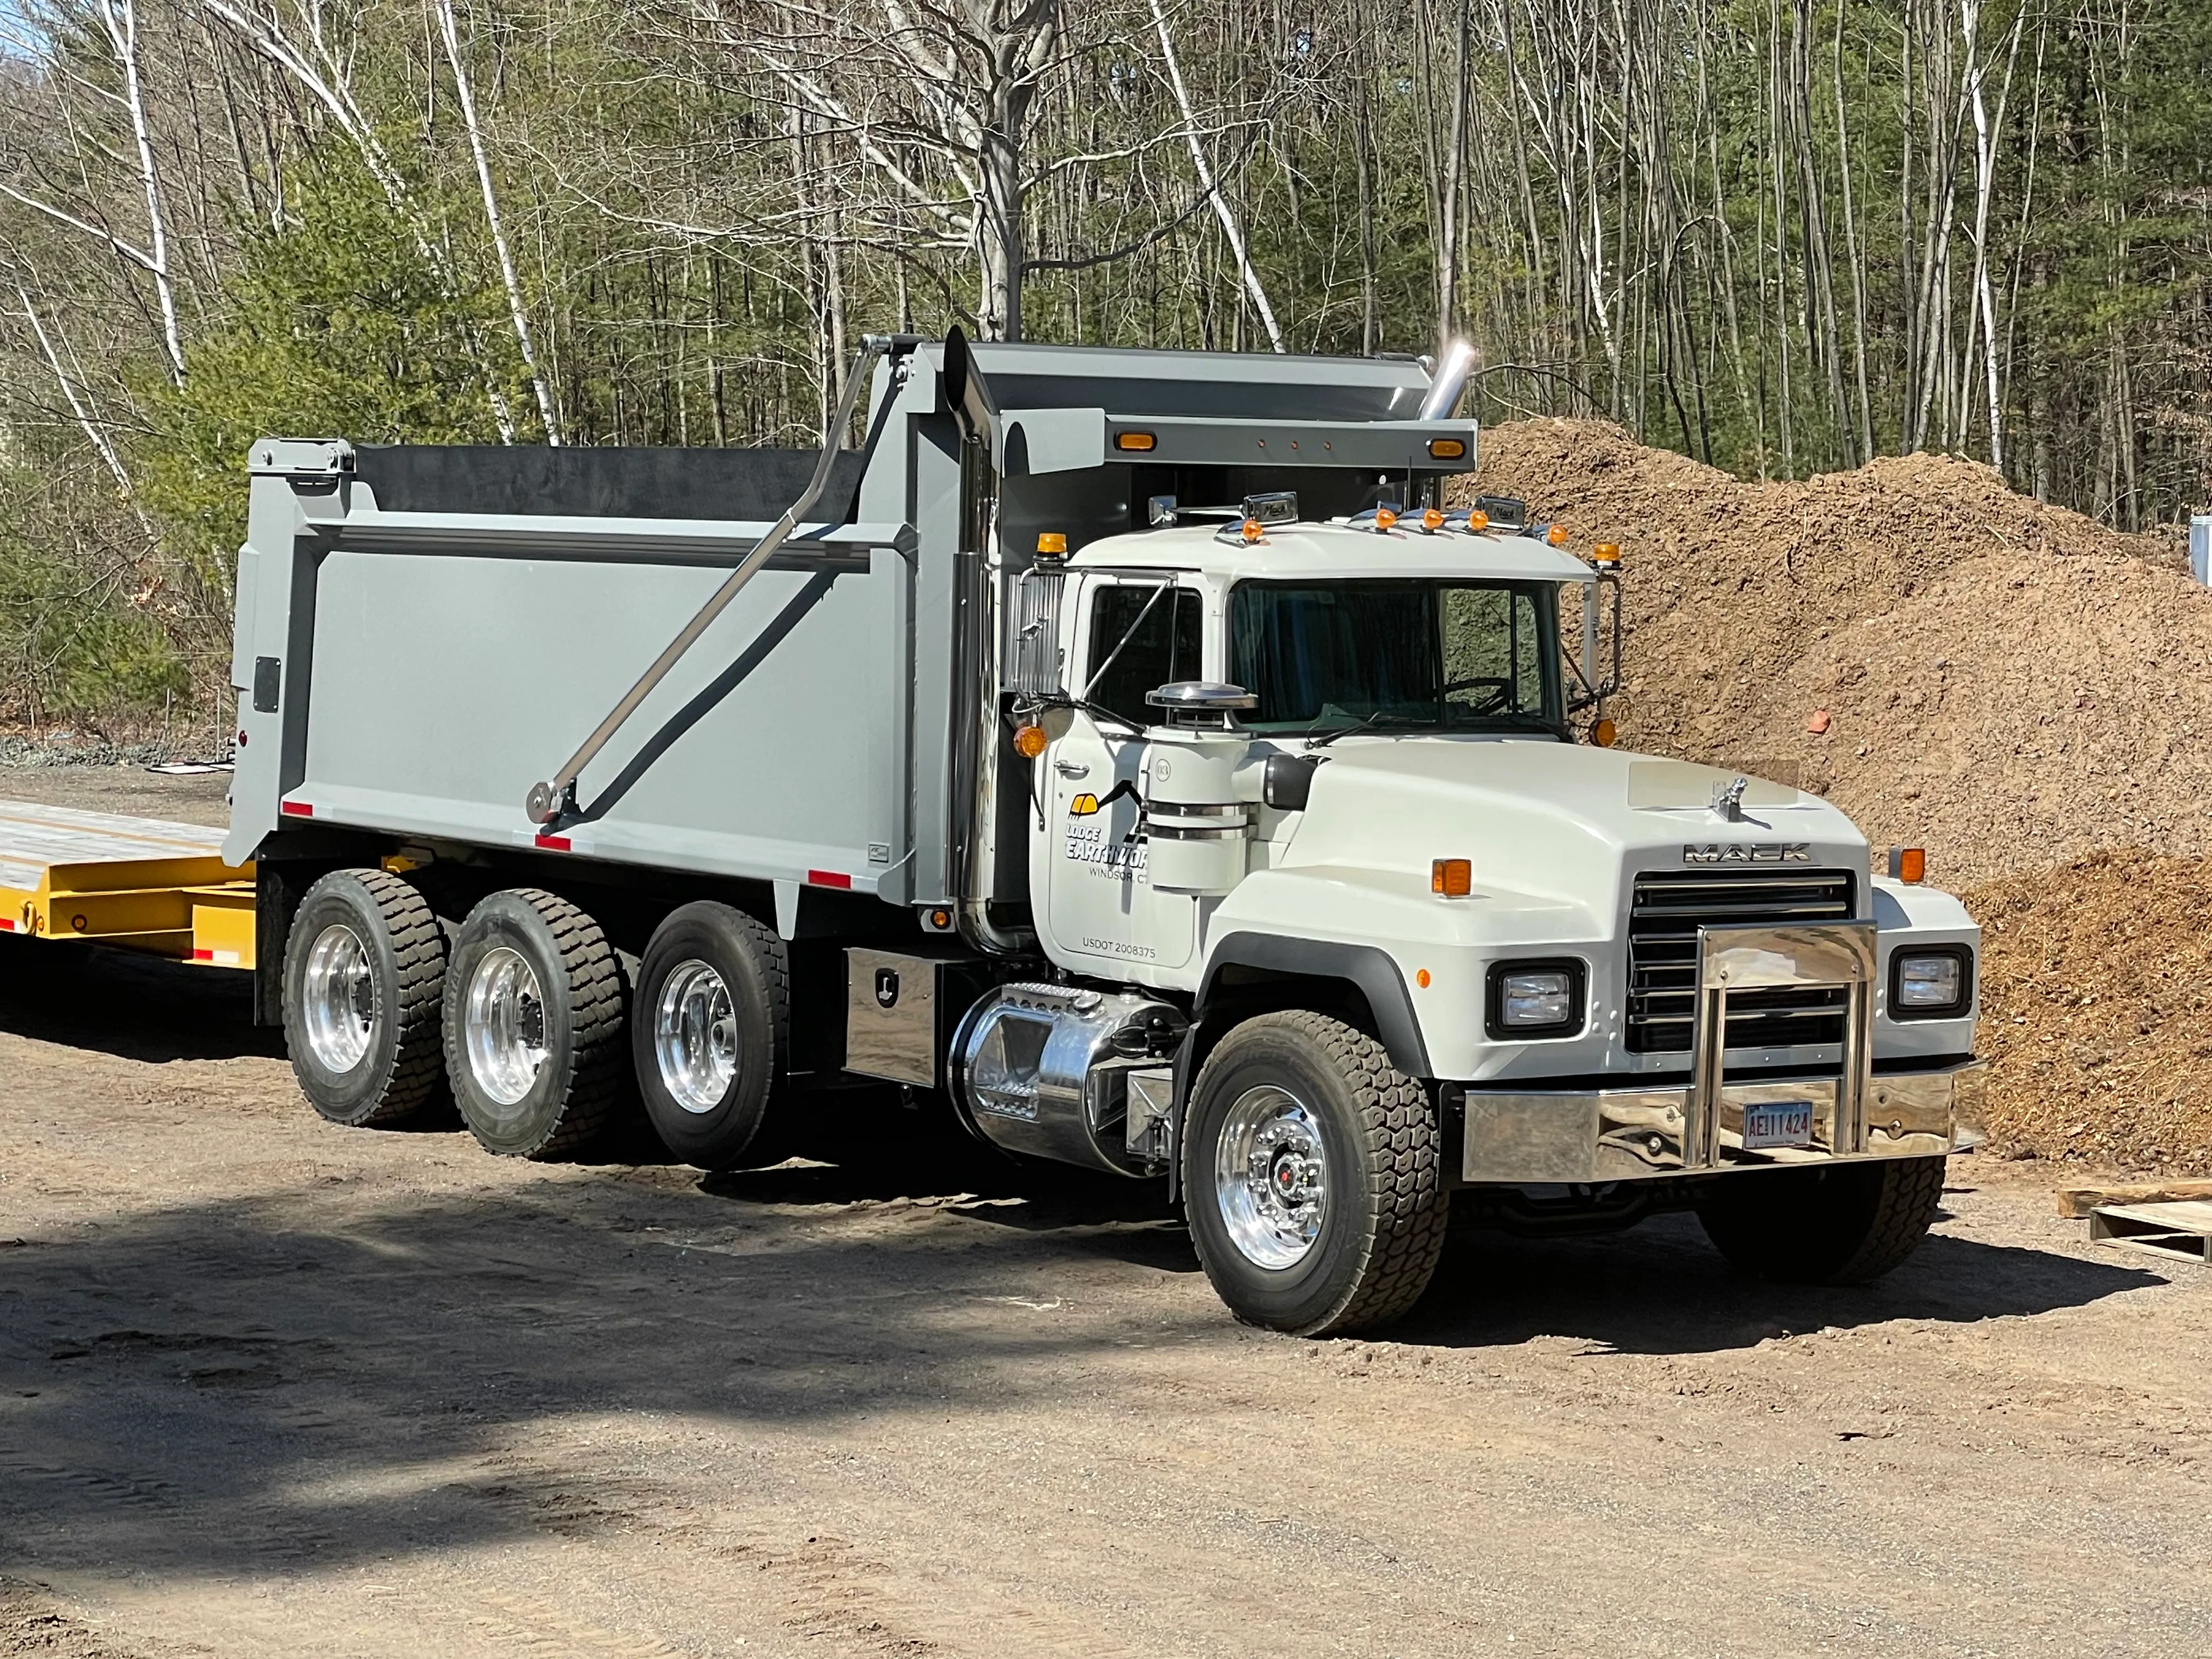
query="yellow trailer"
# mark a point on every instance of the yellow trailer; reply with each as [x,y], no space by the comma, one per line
[140,884]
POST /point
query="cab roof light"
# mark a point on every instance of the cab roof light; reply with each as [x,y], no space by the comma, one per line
[1555,535]
[1254,530]
[1433,520]
[1451,877]
[1051,545]
[1608,554]
[1908,864]
[1139,442]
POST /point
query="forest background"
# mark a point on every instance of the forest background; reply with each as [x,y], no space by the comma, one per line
[1782,236]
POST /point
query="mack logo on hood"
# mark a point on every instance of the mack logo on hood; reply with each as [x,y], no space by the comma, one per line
[1755,852]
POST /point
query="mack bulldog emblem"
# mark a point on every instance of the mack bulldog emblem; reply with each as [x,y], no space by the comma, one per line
[1751,852]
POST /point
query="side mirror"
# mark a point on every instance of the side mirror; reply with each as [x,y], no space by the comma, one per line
[1033,666]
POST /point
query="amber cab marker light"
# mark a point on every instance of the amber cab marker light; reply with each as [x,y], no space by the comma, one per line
[1029,741]
[1603,733]
[1384,518]
[1453,877]
[1421,978]
[1140,441]
[1053,543]
[1447,449]
[1909,865]
[1557,535]
[1433,520]
[1478,521]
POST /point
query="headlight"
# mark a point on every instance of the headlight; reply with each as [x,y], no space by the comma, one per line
[1936,983]
[1535,999]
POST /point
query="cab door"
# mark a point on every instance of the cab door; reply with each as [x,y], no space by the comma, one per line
[1100,914]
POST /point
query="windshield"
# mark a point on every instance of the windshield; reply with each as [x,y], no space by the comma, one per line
[1454,655]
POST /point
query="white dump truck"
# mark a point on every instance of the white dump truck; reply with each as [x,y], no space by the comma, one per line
[1132,754]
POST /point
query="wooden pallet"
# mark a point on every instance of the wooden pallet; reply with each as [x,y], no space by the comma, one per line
[141,884]
[2178,1231]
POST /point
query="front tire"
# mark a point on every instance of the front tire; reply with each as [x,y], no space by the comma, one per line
[711,1034]
[1312,1175]
[364,973]
[533,1021]
[1843,1224]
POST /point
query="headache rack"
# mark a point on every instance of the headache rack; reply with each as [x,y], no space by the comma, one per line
[1667,909]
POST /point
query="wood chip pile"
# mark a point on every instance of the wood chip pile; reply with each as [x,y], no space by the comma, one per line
[2024,693]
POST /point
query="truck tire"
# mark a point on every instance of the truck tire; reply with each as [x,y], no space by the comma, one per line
[364,971]
[534,1025]
[1312,1176]
[710,1033]
[1841,1224]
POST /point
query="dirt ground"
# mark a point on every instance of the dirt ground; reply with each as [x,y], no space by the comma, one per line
[271,1387]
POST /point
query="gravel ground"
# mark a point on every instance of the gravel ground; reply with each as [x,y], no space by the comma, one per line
[271,1387]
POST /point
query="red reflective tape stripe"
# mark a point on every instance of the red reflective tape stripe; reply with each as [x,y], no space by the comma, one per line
[203,956]
[6,924]
[554,843]
[296,809]
[827,878]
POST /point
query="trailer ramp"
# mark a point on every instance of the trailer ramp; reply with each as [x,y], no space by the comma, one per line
[141,884]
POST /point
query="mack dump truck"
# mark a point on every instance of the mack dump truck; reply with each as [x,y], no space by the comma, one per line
[1130,755]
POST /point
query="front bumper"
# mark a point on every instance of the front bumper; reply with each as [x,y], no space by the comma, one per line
[1626,1135]
[1582,1135]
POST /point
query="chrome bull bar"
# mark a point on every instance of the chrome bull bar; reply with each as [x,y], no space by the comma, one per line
[1537,1135]
[1829,956]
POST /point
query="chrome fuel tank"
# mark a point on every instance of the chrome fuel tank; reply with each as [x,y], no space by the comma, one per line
[1045,1069]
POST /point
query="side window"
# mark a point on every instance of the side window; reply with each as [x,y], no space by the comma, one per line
[1163,648]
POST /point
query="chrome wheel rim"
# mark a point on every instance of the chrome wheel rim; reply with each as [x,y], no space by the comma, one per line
[505,1026]
[1271,1177]
[337,998]
[694,1036]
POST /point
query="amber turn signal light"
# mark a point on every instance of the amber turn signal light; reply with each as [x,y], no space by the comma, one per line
[1908,864]
[1029,741]
[1603,733]
[1448,449]
[1139,441]
[1453,877]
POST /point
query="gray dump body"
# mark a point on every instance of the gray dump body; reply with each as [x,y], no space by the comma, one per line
[423,633]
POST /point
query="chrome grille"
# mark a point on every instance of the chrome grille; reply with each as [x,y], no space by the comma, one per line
[1663,919]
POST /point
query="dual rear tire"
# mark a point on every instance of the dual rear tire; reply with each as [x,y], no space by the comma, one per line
[528,1018]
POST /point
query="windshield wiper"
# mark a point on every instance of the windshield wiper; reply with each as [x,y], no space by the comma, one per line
[1368,724]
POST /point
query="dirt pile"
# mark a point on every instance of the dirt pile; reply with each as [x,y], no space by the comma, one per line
[2005,682]
[2097,1010]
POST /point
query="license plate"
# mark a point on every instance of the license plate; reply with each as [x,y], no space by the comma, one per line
[1777,1123]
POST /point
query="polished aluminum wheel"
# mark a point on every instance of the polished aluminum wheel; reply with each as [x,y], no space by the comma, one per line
[504,1025]
[694,1036]
[1271,1177]
[337,998]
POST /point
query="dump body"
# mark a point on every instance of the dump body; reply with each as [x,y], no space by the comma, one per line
[423,634]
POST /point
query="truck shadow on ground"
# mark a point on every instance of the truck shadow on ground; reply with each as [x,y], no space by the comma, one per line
[1659,1287]
[250,1384]
[136,1008]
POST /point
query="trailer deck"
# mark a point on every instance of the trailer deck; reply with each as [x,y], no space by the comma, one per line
[140,884]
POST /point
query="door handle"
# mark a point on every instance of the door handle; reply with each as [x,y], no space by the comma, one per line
[1071,769]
